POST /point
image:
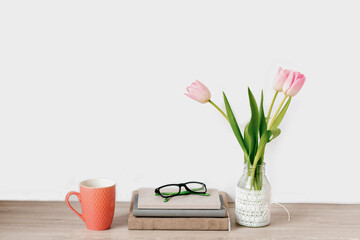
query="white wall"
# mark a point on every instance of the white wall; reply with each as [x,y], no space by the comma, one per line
[95,88]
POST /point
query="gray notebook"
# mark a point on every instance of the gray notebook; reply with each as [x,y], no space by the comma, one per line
[178,212]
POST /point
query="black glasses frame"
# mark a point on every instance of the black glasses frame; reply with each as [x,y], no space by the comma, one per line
[189,191]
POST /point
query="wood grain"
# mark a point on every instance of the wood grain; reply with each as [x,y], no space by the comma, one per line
[54,220]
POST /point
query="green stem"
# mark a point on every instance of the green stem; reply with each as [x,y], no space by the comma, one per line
[255,184]
[212,103]
[252,175]
[277,112]
[271,106]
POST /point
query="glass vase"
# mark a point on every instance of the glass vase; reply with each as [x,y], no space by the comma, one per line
[253,196]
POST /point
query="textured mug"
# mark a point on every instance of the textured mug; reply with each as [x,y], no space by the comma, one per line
[97,198]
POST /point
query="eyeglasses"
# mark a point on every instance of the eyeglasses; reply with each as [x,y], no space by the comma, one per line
[171,190]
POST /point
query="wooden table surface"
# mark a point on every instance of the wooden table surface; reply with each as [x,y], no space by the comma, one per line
[54,220]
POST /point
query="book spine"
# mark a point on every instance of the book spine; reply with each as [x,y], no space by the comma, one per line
[220,224]
[182,213]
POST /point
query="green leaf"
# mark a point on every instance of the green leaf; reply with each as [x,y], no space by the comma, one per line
[253,128]
[281,115]
[275,133]
[259,157]
[263,126]
[247,139]
[246,135]
[235,126]
[261,160]
[261,149]
[265,138]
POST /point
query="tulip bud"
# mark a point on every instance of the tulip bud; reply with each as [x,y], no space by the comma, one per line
[293,83]
[199,92]
[280,79]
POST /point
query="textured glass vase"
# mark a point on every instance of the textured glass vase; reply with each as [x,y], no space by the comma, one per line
[252,207]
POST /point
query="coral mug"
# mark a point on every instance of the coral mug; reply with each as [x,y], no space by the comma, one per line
[97,198]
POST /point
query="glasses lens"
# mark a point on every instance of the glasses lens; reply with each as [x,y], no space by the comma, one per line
[196,187]
[169,191]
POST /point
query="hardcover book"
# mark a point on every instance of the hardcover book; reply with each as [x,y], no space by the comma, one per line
[178,212]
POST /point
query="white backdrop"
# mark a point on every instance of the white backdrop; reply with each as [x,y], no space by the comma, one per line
[95,89]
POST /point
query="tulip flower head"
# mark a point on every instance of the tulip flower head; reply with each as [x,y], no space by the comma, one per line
[293,83]
[280,79]
[199,92]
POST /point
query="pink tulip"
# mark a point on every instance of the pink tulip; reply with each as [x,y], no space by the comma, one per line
[199,92]
[293,83]
[280,79]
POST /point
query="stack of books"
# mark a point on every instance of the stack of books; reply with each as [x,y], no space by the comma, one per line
[186,212]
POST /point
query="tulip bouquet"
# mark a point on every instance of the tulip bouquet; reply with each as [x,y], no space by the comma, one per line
[260,130]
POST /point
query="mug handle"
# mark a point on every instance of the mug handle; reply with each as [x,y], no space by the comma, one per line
[68,203]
